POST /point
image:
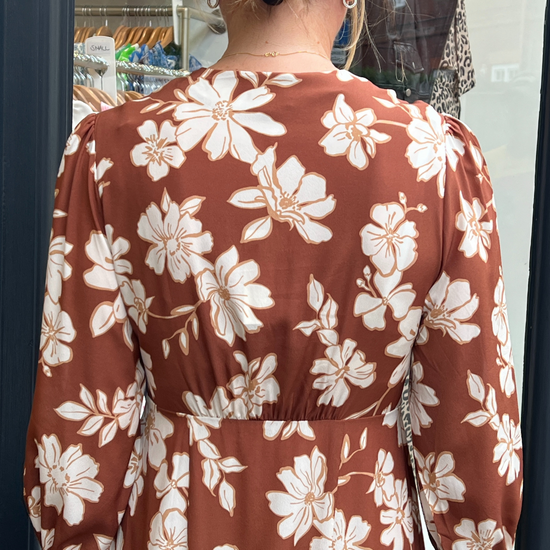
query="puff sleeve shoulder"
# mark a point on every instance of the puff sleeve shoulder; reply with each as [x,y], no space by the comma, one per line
[467,446]
[85,423]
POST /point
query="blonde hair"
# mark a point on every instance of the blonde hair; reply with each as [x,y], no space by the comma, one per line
[357,15]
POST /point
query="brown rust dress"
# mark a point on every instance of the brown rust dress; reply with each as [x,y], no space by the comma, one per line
[244,269]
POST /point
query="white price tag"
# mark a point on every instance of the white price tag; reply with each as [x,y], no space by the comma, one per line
[104,46]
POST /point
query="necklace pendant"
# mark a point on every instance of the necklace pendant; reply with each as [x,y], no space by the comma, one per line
[271,54]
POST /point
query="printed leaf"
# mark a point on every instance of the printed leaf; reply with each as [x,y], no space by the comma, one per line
[284,80]
[315,294]
[385,103]
[491,402]
[87,397]
[477,418]
[257,230]
[211,474]
[166,348]
[182,310]
[92,425]
[102,402]
[308,327]
[184,341]
[73,411]
[127,333]
[227,497]
[478,157]
[363,440]
[476,387]
[180,95]
[328,337]
[252,77]
[149,108]
[208,449]
[119,309]
[195,327]
[165,202]
[103,318]
[414,111]
[191,206]
[167,108]
[342,480]
[103,542]
[231,465]
[495,422]
[344,453]
[107,433]
[328,314]
[249,198]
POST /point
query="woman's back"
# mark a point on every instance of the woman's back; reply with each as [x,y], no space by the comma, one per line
[283,249]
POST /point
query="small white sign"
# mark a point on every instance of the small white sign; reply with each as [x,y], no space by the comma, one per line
[104,47]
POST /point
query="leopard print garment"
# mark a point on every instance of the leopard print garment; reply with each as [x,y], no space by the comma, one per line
[455,75]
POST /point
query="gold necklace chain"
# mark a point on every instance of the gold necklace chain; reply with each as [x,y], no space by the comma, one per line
[273,54]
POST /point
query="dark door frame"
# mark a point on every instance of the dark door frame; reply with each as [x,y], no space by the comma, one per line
[36,73]
[35,98]
[534,529]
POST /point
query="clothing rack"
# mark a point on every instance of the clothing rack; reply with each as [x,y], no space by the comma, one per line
[184,14]
[99,64]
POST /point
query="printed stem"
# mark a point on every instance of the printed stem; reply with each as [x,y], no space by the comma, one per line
[392,122]
[379,402]
[195,307]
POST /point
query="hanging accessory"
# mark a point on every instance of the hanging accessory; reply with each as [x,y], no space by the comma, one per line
[216,4]
[349,6]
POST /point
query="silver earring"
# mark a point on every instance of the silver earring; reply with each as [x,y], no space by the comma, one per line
[218,3]
[349,6]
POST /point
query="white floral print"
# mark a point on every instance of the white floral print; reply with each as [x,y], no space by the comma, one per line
[169,488]
[157,429]
[398,516]
[158,152]
[168,531]
[257,385]
[178,241]
[343,364]
[476,239]
[68,477]
[274,428]
[57,332]
[421,396]
[383,482]
[485,537]
[431,147]
[232,292]
[499,316]
[438,481]
[372,307]
[306,499]
[290,195]
[134,296]
[351,133]
[214,113]
[58,269]
[509,441]
[391,244]
[338,535]
[134,478]
[106,253]
[73,143]
[448,306]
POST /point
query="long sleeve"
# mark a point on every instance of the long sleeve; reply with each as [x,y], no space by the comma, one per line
[90,383]
[464,407]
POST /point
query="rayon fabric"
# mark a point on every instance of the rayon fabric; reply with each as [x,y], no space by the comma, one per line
[244,267]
